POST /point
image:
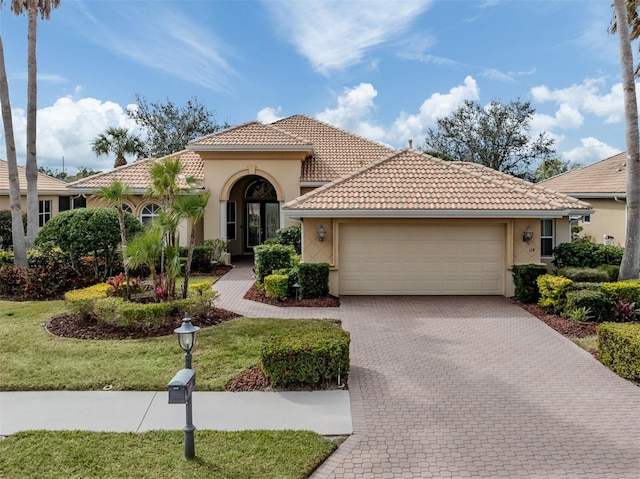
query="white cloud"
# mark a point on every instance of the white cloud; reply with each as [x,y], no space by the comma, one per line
[591,150]
[334,35]
[269,115]
[166,40]
[566,117]
[438,105]
[354,107]
[66,129]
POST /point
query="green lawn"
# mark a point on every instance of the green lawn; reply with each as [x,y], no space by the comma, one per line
[160,455]
[33,359]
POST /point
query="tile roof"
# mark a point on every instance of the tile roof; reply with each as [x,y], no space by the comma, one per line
[251,134]
[336,152]
[136,174]
[46,184]
[410,180]
[605,176]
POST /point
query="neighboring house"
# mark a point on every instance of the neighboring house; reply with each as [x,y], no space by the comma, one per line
[53,195]
[387,221]
[604,185]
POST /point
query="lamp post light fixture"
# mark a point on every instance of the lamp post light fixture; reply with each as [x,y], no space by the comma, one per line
[527,236]
[297,288]
[321,233]
[184,382]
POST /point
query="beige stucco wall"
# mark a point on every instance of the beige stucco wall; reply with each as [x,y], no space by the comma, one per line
[5,203]
[609,219]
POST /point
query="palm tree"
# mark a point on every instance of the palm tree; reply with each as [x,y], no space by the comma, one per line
[32,8]
[191,208]
[630,267]
[17,228]
[144,250]
[118,141]
[114,195]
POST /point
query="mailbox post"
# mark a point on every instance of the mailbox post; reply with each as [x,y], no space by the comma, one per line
[183,383]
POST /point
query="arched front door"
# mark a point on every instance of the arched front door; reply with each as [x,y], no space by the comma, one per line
[262,212]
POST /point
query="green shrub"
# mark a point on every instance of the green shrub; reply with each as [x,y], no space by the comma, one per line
[578,285]
[612,270]
[619,347]
[313,279]
[140,315]
[625,291]
[584,254]
[276,286]
[200,298]
[217,247]
[596,302]
[6,258]
[591,275]
[82,301]
[553,290]
[307,356]
[524,279]
[292,236]
[6,227]
[270,258]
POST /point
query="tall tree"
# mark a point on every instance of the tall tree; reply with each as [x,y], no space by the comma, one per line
[630,266]
[17,227]
[553,167]
[169,127]
[496,136]
[32,8]
[633,20]
[119,142]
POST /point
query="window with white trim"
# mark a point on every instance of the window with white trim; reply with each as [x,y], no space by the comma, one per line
[44,212]
[547,238]
[148,213]
[586,219]
[231,220]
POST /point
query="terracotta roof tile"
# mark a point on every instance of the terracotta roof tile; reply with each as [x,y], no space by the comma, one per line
[336,152]
[251,134]
[605,176]
[46,184]
[410,180]
[136,174]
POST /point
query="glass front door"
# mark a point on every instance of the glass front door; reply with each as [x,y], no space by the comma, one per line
[263,220]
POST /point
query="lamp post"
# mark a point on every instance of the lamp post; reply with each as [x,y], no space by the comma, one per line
[187,339]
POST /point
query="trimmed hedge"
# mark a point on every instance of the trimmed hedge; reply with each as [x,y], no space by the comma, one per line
[524,279]
[584,254]
[306,357]
[585,275]
[625,291]
[553,291]
[612,270]
[270,258]
[596,302]
[82,301]
[276,286]
[619,347]
[290,235]
[313,279]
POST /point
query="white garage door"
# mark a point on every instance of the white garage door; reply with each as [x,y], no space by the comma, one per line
[415,259]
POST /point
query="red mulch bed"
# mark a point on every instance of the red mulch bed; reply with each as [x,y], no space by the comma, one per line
[329,302]
[566,327]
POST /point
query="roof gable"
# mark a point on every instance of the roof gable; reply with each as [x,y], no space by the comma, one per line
[608,176]
[416,182]
[252,136]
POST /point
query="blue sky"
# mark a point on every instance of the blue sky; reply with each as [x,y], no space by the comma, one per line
[383,69]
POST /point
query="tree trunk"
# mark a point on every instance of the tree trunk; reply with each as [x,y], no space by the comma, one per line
[187,269]
[17,228]
[630,267]
[32,101]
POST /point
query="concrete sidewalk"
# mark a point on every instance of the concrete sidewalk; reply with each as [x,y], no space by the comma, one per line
[325,412]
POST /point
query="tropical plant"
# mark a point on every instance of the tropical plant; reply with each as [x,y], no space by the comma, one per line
[145,250]
[496,136]
[120,142]
[630,266]
[17,228]
[32,8]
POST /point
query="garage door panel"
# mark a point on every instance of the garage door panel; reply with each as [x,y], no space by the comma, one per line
[421,259]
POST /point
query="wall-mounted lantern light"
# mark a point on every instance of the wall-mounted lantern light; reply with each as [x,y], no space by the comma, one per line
[527,236]
[321,233]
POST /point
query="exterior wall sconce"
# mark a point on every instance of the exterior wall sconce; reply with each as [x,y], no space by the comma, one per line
[527,236]
[321,234]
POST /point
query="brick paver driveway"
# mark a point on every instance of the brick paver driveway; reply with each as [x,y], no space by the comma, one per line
[475,387]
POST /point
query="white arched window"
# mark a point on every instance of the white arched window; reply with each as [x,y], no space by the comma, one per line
[148,213]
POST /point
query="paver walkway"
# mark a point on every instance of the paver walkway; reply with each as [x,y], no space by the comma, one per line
[469,387]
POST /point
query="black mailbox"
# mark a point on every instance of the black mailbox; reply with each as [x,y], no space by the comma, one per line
[181,386]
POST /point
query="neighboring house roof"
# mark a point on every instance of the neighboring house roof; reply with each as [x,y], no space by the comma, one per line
[251,136]
[605,178]
[412,184]
[136,174]
[47,185]
[335,152]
